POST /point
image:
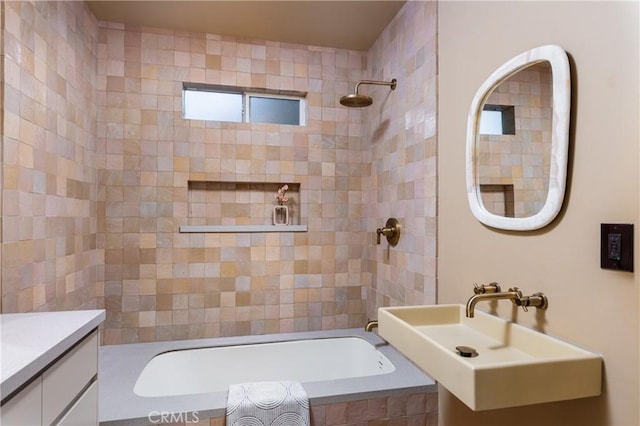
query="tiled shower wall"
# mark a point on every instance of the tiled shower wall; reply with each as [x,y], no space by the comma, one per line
[161,284]
[97,165]
[400,137]
[50,259]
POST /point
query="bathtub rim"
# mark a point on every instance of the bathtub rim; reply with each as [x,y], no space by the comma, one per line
[120,365]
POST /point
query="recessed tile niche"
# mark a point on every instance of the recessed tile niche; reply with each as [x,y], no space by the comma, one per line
[218,206]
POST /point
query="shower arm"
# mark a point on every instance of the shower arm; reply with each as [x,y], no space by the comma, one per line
[391,83]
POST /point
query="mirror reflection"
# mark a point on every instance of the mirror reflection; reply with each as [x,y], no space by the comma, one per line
[518,141]
[514,143]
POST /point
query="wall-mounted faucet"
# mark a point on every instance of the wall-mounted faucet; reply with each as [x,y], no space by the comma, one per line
[391,230]
[492,292]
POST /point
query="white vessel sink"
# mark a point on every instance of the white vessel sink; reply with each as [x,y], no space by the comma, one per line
[514,365]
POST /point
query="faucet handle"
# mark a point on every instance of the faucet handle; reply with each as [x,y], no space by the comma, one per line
[519,300]
[537,300]
[523,302]
[516,290]
[391,230]
[493,287]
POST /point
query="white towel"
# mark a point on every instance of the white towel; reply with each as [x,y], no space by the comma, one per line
[268,404]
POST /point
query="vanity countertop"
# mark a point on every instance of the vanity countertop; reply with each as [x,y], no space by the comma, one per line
[31,341]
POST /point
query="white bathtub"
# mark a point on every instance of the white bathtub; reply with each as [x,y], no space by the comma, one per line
[193,371]
[138,381]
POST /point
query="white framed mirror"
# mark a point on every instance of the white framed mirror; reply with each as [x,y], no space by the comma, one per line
[518,141]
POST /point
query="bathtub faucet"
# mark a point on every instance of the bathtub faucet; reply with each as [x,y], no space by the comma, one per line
[371,324]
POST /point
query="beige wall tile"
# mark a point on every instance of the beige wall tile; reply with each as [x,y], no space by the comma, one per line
[112,185]
[50,157]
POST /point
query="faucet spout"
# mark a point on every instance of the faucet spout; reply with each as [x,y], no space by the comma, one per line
[514,294]
[371,324]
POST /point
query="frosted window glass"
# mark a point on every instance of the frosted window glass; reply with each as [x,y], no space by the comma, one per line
[274,110]
[491,123]
[213,106]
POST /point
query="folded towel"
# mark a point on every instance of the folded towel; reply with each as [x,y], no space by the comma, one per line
[268,404]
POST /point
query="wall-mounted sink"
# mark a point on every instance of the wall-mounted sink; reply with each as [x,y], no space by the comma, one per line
[513,365]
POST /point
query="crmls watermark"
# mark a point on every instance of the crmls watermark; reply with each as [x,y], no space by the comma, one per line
[160,417]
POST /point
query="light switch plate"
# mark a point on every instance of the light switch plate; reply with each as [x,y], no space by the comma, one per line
[616,246]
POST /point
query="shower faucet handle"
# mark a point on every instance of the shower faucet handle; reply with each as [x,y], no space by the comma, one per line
[391,230]
[382,231]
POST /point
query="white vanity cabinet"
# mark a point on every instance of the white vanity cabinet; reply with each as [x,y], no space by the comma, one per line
[55,383]
[69,379]
[22,409]
[65,393]
[85,410]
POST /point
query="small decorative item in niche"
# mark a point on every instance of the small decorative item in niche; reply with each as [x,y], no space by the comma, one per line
[281,212]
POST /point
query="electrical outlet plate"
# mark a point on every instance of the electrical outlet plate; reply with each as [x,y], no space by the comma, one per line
[616,246]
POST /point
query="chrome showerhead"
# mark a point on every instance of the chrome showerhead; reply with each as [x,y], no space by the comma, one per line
[356,100]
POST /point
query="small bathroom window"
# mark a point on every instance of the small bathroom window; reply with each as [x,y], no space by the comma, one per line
[223,103]
[275,109]
[498,120]
[212,106]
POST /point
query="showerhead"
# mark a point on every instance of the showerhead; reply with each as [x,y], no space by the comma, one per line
[356,100]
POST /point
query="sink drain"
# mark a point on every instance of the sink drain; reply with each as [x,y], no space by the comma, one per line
[466,351]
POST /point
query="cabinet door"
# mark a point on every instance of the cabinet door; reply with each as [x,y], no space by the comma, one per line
[85,411]
[25,408]
[68,377]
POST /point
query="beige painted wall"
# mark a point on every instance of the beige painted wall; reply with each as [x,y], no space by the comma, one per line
[589,306]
